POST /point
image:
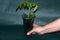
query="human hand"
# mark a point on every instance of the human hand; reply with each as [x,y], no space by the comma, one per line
[48,28]
[36,29]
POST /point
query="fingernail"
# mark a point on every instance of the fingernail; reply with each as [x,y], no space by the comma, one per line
[27,33]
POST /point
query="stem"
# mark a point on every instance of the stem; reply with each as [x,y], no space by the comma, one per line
[33,14]
[29,13]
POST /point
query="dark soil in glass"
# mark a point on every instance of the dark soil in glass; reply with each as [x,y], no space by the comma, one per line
[27,23]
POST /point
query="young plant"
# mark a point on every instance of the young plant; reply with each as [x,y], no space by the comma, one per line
[31,7]
[28,19]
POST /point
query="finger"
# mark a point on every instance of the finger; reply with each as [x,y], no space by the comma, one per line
[30,32]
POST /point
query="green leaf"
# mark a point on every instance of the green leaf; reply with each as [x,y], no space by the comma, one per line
[24,5]
[17,8]
[35,8]
[28,4]
[20,5]
[33,5]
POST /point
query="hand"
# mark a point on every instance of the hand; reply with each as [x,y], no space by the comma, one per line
[36,29]
[48,28]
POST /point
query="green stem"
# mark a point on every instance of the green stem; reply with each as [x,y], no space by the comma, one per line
[29,13]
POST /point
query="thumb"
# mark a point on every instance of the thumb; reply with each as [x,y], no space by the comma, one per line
[30,32]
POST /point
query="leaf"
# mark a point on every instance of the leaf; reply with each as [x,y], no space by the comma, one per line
[19,6]
[35,8]
[24,4]
[33,5]
[28,5]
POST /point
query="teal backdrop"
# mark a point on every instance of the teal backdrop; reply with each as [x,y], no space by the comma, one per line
[11,23]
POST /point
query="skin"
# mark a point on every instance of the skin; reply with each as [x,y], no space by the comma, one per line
[53,26]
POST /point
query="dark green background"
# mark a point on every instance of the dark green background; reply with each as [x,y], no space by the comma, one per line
[11,24]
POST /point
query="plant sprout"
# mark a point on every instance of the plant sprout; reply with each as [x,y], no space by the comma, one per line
[29,6]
